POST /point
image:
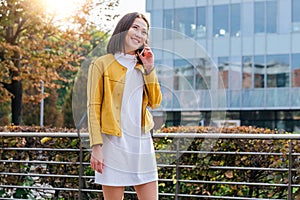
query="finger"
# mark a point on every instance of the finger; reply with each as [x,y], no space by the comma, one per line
[141,57]
[93,166]
[94,163]
[100,167]
[141,53]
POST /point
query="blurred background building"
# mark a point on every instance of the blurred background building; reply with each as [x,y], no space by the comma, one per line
[255,48]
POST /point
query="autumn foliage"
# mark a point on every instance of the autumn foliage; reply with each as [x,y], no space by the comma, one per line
[38,51]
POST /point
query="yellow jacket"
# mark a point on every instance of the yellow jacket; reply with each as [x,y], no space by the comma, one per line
[106,81]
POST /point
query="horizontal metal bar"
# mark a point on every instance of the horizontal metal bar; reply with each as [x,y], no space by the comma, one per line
[40,175]
[53,188]
[156,151]
[225,197]
[40,162]
[229,136]
[223,152]
[249,168]
[167,135]
[43,134]
[229,168]
[229,183]
[39,187]
[39,149]
[44,175]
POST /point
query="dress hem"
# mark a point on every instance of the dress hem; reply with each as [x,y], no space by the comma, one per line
[125,185]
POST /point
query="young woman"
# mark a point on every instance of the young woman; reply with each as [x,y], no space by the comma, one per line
[121,85]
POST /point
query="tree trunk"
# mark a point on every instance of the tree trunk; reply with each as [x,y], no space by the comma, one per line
[16,89]
[16,102]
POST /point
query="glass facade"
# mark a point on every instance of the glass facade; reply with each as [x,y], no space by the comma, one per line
[296,70]
[220,20]
[296,15]
[235,20]
[265,17]
[254,48]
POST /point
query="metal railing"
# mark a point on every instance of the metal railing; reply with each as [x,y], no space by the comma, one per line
[176,165]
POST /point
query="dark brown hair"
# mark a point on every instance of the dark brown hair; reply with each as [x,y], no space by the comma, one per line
[116,42]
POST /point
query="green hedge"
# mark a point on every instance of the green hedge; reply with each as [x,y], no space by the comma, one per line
[202,171]
[205,164]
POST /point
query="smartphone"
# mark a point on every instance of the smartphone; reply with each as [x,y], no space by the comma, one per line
[140,51]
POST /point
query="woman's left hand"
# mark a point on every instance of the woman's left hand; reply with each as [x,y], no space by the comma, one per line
[147,58]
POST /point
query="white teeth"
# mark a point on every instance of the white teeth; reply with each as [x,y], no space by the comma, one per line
[136,40]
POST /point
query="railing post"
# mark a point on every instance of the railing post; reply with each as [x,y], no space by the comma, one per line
[80,166]
[290,188]
[177,190]
[80,156]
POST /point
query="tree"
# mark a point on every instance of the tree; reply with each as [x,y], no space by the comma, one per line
[95,47]
[34,49]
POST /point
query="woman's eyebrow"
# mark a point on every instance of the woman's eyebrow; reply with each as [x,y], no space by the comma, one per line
[138,26]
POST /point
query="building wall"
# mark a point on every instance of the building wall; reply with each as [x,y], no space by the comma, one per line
[230,55]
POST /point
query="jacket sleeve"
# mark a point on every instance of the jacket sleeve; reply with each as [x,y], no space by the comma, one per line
[94,102]
[153,89]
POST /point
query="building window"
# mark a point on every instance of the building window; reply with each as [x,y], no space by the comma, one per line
[184,75]
[271,23]
[296,15]
[235,20]
[168,23]
[201,22]
[247,71]
[220,20]
[259,71]
[296,70]
[259,17]
[235,73]
[185,21]
[278,70]
[265,17]
[203,74]
[223,67]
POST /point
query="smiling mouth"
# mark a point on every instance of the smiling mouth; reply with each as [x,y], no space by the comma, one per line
[136,40]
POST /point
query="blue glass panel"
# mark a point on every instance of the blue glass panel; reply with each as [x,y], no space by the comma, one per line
[259,71]
[185,21]
[278,70]
[296,70]
[259,17]
[277,97]
[271,16]
[235,20]
[201,22]
[220,20]
[168,22]
[295,11]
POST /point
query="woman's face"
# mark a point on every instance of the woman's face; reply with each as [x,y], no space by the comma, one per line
[136,36]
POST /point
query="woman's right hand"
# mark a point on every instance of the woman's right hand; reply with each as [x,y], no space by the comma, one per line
[97,160]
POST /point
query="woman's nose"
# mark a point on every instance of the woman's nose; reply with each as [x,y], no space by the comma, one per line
[138,33]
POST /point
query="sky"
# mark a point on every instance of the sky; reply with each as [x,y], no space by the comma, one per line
[66,7]
[127,6]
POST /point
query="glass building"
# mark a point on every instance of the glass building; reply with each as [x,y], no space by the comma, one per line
[255,48]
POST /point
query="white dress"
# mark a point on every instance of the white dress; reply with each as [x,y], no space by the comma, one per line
[129,160]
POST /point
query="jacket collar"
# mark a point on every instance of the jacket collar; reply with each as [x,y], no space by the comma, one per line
[137,66]
[140,67]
